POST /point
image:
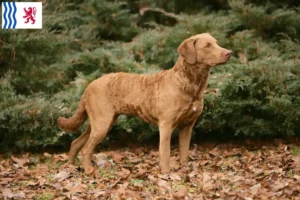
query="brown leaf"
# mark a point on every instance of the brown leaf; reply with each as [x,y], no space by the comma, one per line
[41,181]
[175,177]
[140,173]
[121,192]
[30,183]
[7,193]
[215,152]
[75,189]
[164,176]
[19,195]
[181,194]
[124,173]
[42,169]
[60,157]
[232,152]
[47,155]
[297,177]
[163,184]
[297,162]
[62,175]
[193,174]
[20,161]
[206,177]
[101,159]
[117,157]
[57,186]
[255,188]
[5,181]
[278,186]
[99,193]
[152,179]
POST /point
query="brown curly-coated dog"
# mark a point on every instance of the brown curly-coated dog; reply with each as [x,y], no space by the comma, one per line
[169,99]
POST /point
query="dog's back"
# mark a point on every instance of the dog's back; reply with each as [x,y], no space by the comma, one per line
[133,94]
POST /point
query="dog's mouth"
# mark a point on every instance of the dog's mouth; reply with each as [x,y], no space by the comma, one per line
[223,61]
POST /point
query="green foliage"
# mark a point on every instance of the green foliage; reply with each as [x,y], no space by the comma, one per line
[260,98]
[44,72]
[266,21]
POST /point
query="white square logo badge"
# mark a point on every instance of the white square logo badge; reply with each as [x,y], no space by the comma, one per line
[22,15]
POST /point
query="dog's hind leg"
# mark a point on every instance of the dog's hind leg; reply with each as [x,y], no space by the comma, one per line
[77,144]
[99,129]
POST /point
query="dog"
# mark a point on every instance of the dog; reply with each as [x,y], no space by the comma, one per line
[170,99]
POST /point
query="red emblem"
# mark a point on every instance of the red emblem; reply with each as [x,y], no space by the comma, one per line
[30,14]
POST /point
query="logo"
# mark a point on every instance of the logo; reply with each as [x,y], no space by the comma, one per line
[21,15]
[30,14]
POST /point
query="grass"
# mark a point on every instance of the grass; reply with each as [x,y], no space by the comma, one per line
[45,196]
[295,150]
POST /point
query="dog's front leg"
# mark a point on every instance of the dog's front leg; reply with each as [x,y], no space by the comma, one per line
[185,134]
[165,132]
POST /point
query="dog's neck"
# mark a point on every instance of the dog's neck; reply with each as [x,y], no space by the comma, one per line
[191,79]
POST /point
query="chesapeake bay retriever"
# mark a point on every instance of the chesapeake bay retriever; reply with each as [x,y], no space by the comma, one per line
[171,98]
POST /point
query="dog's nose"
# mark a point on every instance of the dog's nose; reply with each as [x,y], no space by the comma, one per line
[228,53]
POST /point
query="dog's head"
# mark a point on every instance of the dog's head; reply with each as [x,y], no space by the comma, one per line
[203,49]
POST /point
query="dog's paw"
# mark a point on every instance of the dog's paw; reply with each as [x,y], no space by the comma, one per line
[89,170]
[165,169]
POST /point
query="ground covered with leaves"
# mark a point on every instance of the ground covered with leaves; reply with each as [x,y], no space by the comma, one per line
[236,170]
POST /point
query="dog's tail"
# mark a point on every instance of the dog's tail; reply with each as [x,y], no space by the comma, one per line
[73,123]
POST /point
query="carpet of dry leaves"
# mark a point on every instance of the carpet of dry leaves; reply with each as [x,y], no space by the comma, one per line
[236,170]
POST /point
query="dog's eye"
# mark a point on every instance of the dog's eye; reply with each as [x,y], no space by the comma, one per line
[208,45]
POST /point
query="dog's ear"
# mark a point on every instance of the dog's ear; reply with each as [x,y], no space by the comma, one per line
[188,51]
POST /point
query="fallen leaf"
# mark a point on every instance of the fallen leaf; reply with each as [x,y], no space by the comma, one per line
[134,160]
[152,179]
[255,188]
[62,175]
[297,177]
[19,195]
[181,194]
[30,183]
[5,181]
[98,193]
[121,192]
[20,161]
[117,157]
[101,159]
[174,177]
[140,173]
[75,189]
[278,186]
[124,173]
[163,184]
[7,193]
[47,155]
[60,157]
[215,152]
[41,181]
[42,169]
[164,176]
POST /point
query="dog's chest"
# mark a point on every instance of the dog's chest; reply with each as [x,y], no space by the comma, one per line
[190,112]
